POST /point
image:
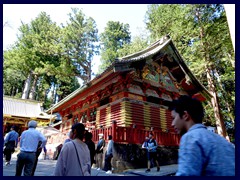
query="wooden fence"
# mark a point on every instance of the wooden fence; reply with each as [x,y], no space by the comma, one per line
[135,135]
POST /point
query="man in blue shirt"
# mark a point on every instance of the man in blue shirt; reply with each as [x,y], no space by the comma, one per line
[28,146]
[10,143]
[201,152]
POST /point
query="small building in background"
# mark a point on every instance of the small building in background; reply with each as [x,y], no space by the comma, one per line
[19,112]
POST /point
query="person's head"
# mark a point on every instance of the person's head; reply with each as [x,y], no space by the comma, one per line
[78,131]
[32,124]
[100,136]
[70,134]
[109,137]
[150,136]
[88,136]
[146,138]
[12,128]
[186,111]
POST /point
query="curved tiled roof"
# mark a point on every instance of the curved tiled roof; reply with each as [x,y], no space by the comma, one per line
[123,64]
[150,50]
[23,108]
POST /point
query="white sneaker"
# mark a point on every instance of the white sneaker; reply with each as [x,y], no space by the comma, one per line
[7,163]
[109,172]
[98,169]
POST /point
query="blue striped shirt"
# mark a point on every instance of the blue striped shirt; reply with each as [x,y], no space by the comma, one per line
[29,140]
[204,153]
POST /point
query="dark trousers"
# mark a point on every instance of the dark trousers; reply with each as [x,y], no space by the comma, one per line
[9,149]
[8,155]
[25,160]
[36,161]
[108,165]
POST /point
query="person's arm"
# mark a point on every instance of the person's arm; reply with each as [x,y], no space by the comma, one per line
[156,145]
[61,163]
[112,147]
[16,141]
[190,158]
[42,139]
[103,145]
[6,139]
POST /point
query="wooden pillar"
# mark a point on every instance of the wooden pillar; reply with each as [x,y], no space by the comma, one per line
[114,125]
[134,137]
[88,115]
[4,127]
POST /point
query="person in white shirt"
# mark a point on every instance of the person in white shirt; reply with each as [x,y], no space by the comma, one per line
[28,146]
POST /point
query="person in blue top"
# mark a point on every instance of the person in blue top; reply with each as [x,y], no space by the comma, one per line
[10,143]
[201,152]
[109,155]
[28,147]
[152,152]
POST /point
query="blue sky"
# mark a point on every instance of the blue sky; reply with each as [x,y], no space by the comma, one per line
[133,14]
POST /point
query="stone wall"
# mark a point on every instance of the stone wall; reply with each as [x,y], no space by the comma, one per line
[132,156]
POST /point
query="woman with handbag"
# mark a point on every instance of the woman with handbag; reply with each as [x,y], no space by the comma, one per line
[74,158]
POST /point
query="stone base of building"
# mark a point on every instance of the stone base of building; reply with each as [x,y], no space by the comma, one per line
[132,156]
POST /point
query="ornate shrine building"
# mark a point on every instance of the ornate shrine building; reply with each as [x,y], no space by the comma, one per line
[19,112]
[131,97]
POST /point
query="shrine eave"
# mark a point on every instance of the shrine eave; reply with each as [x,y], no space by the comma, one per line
[97,79]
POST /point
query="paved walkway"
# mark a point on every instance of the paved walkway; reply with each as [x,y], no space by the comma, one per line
[46,168]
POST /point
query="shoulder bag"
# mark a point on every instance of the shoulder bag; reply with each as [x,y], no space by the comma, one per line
[78,157]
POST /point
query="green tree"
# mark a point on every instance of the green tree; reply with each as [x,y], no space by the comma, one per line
[79,39]
[13,77]
[38,49]
[138,43]
[114,37]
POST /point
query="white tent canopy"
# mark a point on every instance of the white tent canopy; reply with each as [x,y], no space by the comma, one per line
[48,130]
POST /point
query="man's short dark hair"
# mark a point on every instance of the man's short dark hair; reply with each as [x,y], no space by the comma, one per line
[88,135]
[191,105]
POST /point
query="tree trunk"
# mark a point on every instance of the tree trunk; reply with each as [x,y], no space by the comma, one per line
[32,94]
[221,130]
[27,86]
[89,72]
[12,91]
[230,110]
[54,94]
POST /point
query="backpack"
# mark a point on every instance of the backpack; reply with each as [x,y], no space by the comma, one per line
[153,140]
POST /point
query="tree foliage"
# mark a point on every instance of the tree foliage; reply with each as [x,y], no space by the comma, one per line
[201,34]
[114,37]
[79,39]
[138,43]
[47,59]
